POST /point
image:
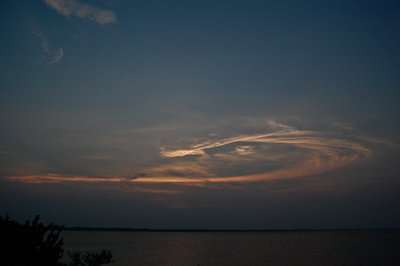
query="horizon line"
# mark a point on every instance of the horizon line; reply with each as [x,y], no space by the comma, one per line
[122,229]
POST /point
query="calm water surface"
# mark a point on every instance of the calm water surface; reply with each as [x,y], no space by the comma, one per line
[241,248]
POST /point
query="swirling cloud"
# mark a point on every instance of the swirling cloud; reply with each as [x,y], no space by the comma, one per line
[283,154]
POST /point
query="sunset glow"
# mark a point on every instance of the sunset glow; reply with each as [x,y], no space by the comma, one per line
[201,114]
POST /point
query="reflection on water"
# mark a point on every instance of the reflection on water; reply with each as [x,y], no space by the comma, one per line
[242,248]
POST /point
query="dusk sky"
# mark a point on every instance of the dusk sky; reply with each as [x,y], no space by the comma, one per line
[201,114]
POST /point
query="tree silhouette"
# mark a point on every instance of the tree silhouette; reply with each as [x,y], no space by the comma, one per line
[34,244]
[30,244]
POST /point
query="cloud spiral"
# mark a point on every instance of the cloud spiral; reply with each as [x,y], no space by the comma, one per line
[247,158]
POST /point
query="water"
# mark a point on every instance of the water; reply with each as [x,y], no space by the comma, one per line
[241,248]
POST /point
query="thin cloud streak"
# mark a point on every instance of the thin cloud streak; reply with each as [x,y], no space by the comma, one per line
[154,191]
[81,10]
[54,178]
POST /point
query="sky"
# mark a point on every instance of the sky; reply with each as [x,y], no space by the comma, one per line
[201,114]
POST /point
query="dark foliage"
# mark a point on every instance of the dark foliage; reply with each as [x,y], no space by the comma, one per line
[32,244]
[91,258]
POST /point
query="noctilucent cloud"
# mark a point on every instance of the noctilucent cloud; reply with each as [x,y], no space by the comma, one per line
[201,114]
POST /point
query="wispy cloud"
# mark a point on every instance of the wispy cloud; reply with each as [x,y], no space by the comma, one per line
[154,191]
[52,57]
[244,150]
[294,154]
[284,127]
[54,178]
[336,122]
[81,10]
[177,153]
[107,182]
[58,57]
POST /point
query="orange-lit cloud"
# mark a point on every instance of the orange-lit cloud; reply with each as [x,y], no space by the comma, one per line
[290,153]
[316,153]
[53,178]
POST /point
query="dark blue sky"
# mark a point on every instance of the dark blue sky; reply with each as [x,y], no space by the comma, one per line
[201,114]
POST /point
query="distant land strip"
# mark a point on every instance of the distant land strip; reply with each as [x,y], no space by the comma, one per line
[118,229]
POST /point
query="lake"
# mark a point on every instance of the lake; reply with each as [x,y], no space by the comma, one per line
[358,247]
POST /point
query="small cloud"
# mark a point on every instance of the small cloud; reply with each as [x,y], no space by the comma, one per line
[174,173]
[244,150]
[179,153]
[133,177]
[284,127]
[373,116]
[336,122]
[58,57]
[81,10]
[140,175]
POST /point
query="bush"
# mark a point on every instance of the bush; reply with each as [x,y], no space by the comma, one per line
[32,245]
[91,258]
[28,245]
